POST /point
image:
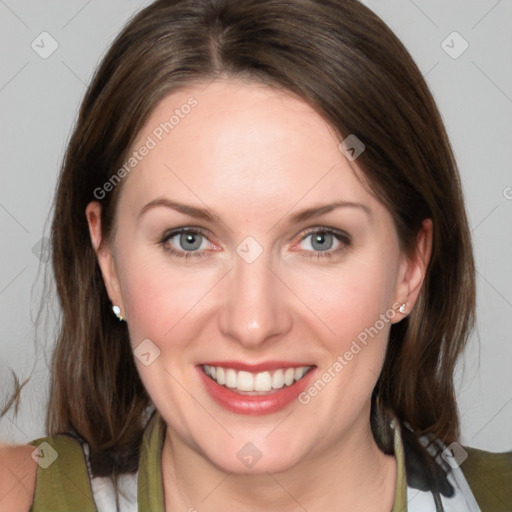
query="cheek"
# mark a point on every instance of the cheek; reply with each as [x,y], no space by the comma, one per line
[351,298]
[159,302]
[155,302]
[162,299]
[356,306]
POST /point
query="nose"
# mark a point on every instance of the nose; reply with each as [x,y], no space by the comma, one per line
[255,310]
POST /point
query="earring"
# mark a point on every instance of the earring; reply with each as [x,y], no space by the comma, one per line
[117,312]
[402,308]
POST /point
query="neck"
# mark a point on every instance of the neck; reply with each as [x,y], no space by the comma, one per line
[353,474]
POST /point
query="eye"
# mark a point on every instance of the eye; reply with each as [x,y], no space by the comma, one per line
[192,243]
[322,241]
[185,243]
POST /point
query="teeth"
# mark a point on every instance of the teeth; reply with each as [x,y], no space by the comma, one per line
[278,379]
[245,381]
[221,376]
[259,382]
[289,376]
[230,378]
[262,382]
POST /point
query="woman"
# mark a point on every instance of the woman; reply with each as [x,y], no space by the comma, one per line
[265,270]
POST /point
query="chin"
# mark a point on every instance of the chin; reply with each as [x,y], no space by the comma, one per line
[256,464]
[245,457]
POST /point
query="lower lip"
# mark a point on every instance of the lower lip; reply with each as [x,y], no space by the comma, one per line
[254,405]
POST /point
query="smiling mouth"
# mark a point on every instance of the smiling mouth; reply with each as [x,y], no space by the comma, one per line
[261,383]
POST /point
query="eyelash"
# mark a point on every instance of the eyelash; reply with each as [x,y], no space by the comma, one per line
[341,236]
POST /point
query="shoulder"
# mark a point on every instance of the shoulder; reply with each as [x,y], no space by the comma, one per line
[62,479]
[489,476]
[17,477]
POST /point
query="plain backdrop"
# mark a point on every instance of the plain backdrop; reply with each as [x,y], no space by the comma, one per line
[469,73]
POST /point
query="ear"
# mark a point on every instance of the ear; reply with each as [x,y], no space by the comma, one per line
[104,254]
[412,271]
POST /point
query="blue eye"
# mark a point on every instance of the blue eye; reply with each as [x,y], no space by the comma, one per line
[186,243]
[190,240]
[323,240]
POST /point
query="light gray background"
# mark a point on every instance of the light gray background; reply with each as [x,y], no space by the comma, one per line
[39,100]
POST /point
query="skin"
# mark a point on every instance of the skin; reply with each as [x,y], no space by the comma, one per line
[255,156]
[17,477]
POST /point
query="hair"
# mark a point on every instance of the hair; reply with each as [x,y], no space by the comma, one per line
[341,59]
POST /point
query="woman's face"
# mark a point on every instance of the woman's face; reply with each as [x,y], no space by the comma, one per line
[270,281]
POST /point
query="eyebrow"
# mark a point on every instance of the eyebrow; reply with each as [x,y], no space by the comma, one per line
[207,215]
[316,211]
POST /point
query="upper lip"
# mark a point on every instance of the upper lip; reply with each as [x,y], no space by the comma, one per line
[256,368]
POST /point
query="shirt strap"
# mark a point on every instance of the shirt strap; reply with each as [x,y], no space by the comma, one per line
[62,481]
[150,495]
[400,503]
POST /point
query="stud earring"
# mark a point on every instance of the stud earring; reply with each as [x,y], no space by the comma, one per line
[117,312]
[402,308]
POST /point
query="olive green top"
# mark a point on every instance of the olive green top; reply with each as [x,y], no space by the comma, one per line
[64,485]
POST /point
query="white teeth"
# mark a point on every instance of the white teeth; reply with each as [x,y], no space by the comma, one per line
[257,382]
[230,378]
[278,379]
[221,376]
[289,376]
[245,381]
[262,382]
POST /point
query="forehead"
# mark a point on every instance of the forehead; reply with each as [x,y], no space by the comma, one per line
[240,145]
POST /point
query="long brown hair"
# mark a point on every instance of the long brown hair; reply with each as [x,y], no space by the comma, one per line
[340,58]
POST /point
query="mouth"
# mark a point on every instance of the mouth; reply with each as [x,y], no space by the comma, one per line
[250,383]
[257,389]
